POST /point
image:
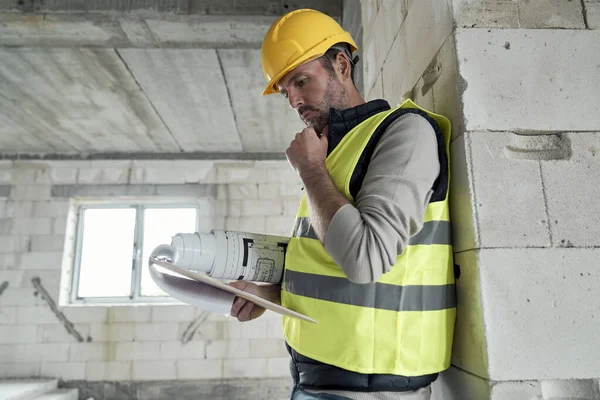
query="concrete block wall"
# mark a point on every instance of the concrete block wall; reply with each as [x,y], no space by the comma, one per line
[143,342]
[520,81]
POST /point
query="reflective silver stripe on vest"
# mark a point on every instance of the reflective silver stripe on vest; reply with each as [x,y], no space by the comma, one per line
[304,229]
[373,295]
[433,232]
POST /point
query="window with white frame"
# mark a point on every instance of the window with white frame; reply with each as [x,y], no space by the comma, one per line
[113,245]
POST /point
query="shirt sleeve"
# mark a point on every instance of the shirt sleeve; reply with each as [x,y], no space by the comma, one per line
[364,239]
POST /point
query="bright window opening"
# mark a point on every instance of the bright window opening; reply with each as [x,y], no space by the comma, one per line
[114,244]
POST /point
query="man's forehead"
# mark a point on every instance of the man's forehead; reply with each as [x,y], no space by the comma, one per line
[310,66]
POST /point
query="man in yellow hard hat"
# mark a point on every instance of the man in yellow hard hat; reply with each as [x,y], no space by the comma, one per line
[370,256]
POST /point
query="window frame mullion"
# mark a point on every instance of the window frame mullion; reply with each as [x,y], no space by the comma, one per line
[138,246]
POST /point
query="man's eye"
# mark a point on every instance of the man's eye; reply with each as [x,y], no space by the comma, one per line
[301,82]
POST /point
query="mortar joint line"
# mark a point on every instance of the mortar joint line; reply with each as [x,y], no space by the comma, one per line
[584,14]
[545,197]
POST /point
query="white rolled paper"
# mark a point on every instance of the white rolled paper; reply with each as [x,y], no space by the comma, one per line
[192,292]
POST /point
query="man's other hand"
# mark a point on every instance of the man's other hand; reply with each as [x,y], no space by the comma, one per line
[245,310]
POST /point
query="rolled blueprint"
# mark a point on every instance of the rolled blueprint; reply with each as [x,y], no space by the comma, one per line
[228,255]
[219,254]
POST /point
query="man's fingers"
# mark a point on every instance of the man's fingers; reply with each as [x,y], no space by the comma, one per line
[244,314]
[237,305]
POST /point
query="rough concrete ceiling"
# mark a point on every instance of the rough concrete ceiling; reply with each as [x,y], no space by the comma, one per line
[148,78]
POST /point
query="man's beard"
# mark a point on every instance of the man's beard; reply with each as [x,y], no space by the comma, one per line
[335,97]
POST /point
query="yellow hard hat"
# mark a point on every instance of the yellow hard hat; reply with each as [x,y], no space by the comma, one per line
[298,37]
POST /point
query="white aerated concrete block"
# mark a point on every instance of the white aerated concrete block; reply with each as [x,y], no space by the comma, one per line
[274,329]
[244,367]
[172,313]
[90,351]
[235,173]
[377,91]
[259,208]
[278,367]
[137,351]
[153,370]
[268,191]
[85,314]
[421,36]
[65,371]
[238,348]
[42,260]
[256,329]
[103,175]
[216,349]
[129,314]
[593,13]
[551,14]
[267,348]
[20,297]
[207,330]
[199,369]
[544,91]
[156,331]
[8,261]
[172,350]
[35,315]
[486,13]
[523,14]
[279,225]
[18,209]
[19,370]
[18,334]
[508,194]
[119,332]
[62,176]
[44,352]
[107,370]
[14,244]
[50,243]
[13,277]
[455,384]
[31,192]
[246,224]
[57,333]
[572,225]
[537,303]
[242,191]
[50,208]
[8,315]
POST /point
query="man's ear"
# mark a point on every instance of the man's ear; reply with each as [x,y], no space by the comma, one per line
[343,66]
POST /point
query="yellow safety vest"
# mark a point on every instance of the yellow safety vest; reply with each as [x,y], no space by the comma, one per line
[403,324]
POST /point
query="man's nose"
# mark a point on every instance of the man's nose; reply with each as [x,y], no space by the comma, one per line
[295,99]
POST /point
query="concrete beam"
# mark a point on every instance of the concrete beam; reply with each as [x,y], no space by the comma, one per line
[132,31]
[206,7]
[192,190]
[239,156]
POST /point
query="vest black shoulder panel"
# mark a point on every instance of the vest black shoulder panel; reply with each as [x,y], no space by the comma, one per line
[440,186]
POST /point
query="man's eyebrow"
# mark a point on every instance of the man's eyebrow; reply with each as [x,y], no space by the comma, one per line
[292,78]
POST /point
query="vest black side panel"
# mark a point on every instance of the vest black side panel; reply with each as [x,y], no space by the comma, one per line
[311,374]
[440,186]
